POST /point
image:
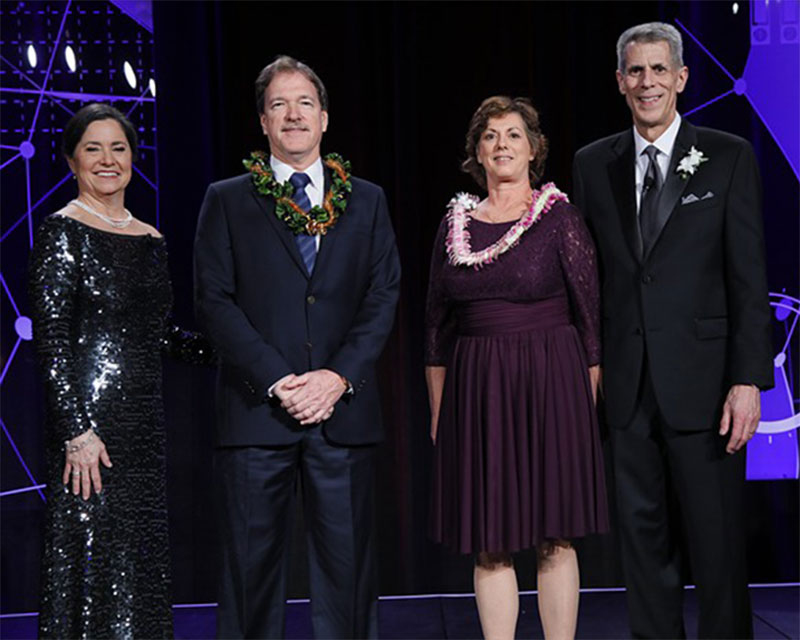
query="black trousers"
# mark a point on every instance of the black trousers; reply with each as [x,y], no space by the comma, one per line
[255,500]
[654,466]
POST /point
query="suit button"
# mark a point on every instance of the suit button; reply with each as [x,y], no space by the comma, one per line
[638,331]
[309,345]
[311,299]
[647,279]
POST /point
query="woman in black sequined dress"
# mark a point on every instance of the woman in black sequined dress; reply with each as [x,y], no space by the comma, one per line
[101,298]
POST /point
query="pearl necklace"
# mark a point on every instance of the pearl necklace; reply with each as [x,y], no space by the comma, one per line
[117,224]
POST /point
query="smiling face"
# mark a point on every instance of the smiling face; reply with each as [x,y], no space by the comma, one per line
[293,119]
[102,160]
[504,150]
[651,84]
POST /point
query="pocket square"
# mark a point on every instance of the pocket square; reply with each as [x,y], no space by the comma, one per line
[689,199]
[709,194]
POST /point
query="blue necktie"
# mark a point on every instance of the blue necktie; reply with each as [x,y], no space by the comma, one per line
[305,243]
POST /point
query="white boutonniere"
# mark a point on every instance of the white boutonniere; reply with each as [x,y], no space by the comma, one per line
[690,162]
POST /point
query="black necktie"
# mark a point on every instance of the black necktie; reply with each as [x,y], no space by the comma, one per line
[648,209]
[305,243]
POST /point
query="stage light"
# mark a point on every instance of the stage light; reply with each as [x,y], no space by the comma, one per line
[130,76]
[32,57]
[69,56]
[152,85]
[735,8]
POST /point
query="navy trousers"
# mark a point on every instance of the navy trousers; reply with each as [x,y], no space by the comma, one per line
[256,488]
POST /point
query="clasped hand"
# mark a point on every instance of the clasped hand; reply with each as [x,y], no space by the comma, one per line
[309,398]
[82,466]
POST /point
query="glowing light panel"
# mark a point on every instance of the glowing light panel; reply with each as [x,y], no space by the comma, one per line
[33,58]
[69,56]
[130,74]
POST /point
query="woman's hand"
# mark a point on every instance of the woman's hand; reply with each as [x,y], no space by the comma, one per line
[434,428]
[596,381]
[82,466]
[434,377]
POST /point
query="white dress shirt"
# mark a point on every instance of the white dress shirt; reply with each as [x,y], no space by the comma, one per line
[314,189]
[665,143]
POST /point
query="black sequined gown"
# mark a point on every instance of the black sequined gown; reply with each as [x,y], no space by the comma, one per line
[100,303]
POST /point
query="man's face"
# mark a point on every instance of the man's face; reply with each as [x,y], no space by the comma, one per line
[293,119]
[651,85]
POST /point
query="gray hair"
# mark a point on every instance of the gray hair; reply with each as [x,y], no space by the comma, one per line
[287,64]
[651,32]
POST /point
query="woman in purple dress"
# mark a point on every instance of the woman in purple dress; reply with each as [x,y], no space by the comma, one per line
[512,366]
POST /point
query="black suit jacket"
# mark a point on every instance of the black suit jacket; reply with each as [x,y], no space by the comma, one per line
[268,318]
[697,304]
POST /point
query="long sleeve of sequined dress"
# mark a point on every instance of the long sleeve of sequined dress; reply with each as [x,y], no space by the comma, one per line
[55,279]
[100,306]
[189,347]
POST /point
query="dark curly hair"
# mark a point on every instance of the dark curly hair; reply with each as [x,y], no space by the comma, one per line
[496,107]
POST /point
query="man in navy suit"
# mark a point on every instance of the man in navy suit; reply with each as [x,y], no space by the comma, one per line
[676,214]
[299,308]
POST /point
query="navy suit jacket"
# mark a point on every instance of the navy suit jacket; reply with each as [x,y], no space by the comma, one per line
[697,304]
[267,318]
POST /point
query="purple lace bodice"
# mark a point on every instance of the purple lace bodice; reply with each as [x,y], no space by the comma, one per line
[554,258]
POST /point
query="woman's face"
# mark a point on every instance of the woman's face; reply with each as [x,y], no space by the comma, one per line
[504,149]
[102,160]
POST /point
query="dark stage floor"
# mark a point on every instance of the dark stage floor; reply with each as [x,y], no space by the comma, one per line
[776,612]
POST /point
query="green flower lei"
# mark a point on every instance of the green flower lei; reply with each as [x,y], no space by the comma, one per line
[318,219]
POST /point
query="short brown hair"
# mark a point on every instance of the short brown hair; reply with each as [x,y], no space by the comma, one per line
[287,64]
[496,107]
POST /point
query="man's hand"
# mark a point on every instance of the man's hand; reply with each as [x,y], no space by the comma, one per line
[309,398]
[740,415]
[278,390]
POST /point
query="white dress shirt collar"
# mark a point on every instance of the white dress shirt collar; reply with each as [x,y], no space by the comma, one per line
[664,143]
[284,171]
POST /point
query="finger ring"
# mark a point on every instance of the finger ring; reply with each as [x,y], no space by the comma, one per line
[75,474]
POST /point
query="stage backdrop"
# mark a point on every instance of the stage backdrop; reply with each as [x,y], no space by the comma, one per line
[403,80]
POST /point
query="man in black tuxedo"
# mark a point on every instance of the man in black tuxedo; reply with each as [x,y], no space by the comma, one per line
[299,310]
[676,215]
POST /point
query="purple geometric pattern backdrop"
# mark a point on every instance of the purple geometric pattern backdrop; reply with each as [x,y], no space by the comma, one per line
[770,83]
[48,69]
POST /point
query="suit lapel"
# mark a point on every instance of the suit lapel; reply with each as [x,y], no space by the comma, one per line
[674,185]
[326,241]
[622,176]
[282,231]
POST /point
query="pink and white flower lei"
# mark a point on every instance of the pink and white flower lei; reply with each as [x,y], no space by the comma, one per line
[459,251]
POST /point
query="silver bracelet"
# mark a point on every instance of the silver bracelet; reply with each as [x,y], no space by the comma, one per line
[72,448]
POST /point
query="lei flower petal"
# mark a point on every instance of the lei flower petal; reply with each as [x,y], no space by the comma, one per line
[315,221]
[457,243]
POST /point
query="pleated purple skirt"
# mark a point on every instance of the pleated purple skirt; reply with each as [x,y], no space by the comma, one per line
[518,457]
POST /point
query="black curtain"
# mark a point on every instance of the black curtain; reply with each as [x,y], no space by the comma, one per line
[403,80]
